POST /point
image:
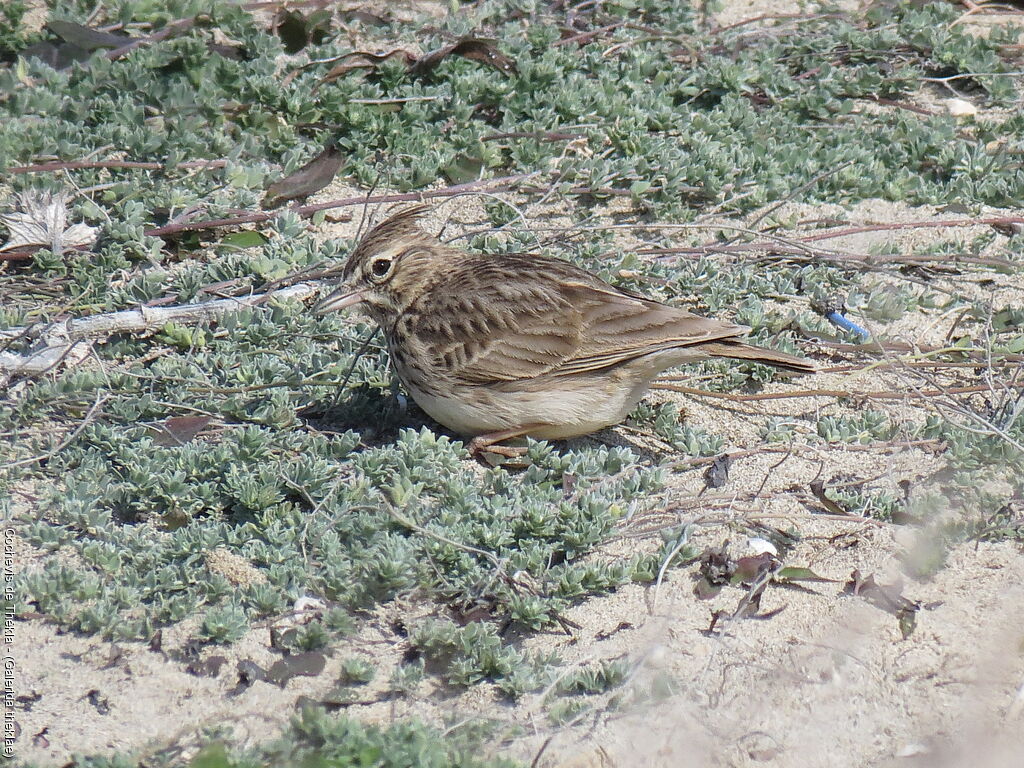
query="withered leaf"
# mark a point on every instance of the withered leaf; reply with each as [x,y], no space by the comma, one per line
[59,55]
[716,617]
[248,673]
[246,238]
[27,700]
[705,590]
[227,47]
[767,614]
[86,38]
[227,51]
[1010,229]
[716,566]
[907,618]
[310,178]
[282,638]
[304,702]
[474,613]
[796,573]
[605,634]
[764,755]
[750,604]
[338,697]
[43,221]
[569,480]
[364,60]
[463,168]
[751,568]
[818,489]
[179,430]
[475,48]
[114,658]
[98,701]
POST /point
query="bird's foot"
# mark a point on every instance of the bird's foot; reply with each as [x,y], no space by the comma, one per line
[483,444]
[488,443]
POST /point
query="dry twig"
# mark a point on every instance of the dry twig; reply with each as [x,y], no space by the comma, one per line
[60,338]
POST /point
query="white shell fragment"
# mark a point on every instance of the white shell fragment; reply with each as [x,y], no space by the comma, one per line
[759,546]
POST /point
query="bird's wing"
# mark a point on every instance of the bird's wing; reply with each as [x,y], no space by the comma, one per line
[622,326]
[485,329]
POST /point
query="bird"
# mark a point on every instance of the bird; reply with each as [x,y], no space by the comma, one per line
[499,346]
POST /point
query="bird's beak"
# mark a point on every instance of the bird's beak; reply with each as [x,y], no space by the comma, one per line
[339,299]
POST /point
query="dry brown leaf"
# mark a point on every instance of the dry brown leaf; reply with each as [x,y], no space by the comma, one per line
[310,178]
[364,60]
[474,48]
[179,430]
[43,222]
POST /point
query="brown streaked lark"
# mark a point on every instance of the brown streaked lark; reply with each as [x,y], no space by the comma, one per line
[499,346]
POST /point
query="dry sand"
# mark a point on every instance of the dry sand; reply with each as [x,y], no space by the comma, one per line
[828,681]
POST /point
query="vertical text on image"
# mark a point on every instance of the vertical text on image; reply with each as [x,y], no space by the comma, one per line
[8,662]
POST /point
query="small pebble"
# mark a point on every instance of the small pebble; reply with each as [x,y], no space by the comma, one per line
[960,108]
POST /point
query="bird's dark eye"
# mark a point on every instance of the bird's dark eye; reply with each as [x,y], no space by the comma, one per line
[380,267]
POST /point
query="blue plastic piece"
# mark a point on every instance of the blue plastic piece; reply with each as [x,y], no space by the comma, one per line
[846,324]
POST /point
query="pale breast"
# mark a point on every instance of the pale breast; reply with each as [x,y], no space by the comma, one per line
[561,408]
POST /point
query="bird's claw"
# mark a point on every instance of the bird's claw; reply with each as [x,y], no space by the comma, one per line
[482,444]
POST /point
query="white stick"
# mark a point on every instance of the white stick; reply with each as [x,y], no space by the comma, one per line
[60,337]
[151,318]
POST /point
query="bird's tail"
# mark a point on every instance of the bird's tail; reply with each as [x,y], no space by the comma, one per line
[741,351]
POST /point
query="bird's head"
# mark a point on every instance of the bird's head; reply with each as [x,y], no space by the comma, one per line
[389,268]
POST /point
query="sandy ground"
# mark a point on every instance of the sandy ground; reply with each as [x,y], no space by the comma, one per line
[828,681]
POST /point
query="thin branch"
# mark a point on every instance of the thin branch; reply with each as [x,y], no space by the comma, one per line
[684,539]
[74,165]
[175,27]
[90,415]
[800,17]
[941,398]
[538,135]
[883,395]
[19,255]
[699,461]
[394,100]
[876,347]
[308,210]
[898,105]
[802,253]
[586,37]
[991,222]
[798,191]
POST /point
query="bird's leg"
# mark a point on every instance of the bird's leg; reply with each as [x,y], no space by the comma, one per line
[487,443]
